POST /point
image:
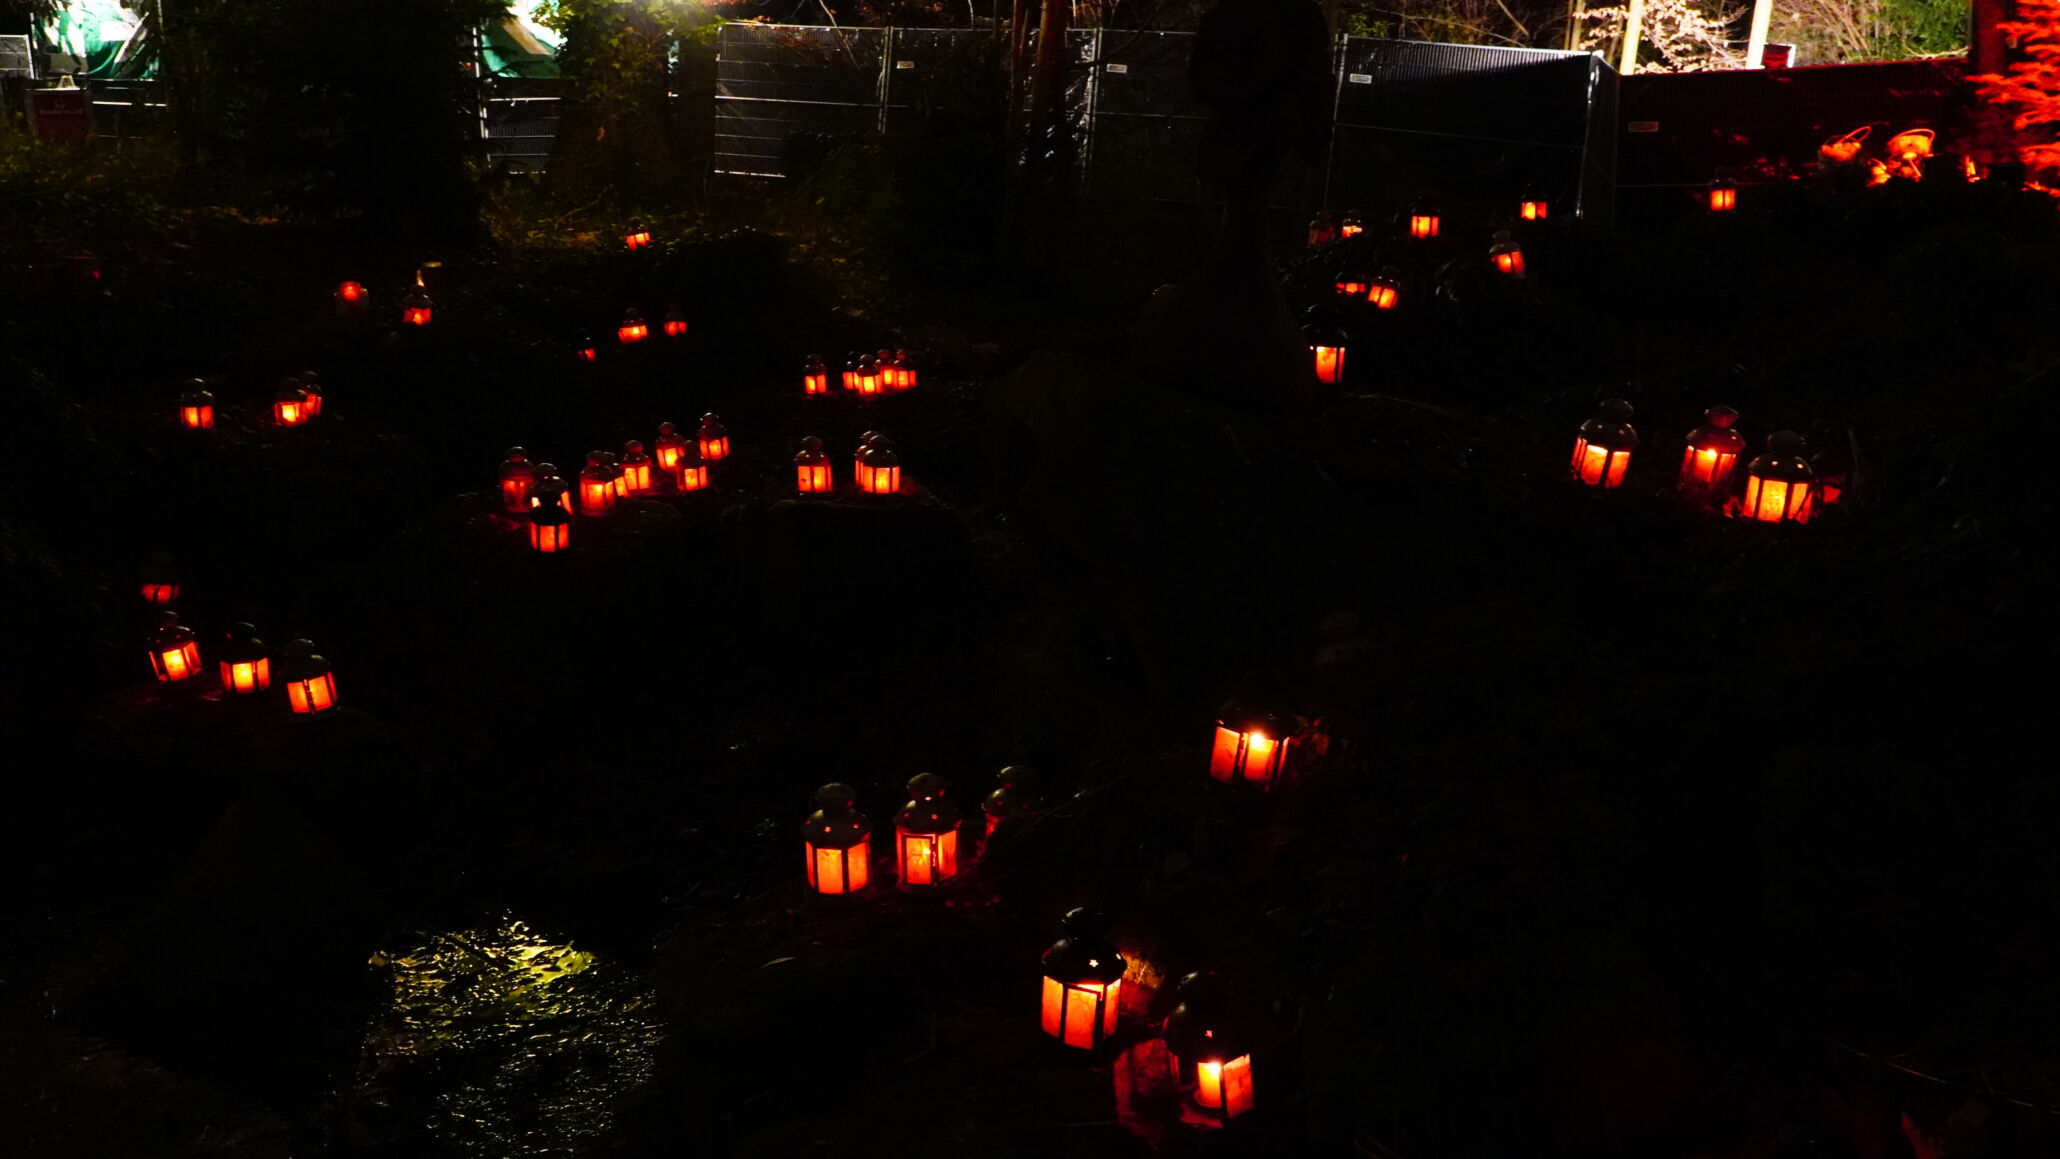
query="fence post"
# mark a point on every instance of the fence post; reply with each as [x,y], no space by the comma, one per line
[886,85]
[1340,60]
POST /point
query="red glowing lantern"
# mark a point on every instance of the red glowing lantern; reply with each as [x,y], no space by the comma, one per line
[815,377]
[1327,347]
[1603,448]
[197,407]
[351,300]
[550,528]
[904,371]
[174,653]
[312,383]
[669,446]
[637,237]
[518,476]
[1507,255]
[868,378]
[583,348]
[1322,231]
[1712,451]
[1531,206]
[1015,800]
[1253,746]
[713,437]
[926,836]
[596,486]
[310,685]
[550,489]
[290,405]
[633,328]
[618,479]
[879,468]
[636,469]
[245,664]
[1384,289]
[692,474]
[160,584]
[1422,220]
[1349,283]
[1212,1062]
[838,842]
[1779,482]
[851,370]
[858,457]
[812,467]
[675,321]
[416,308]
[1723,195]
[1351,226]
[1083,982]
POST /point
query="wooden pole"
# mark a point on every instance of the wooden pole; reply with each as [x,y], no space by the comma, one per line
[1576,15]
[1756,46]
[1634,28]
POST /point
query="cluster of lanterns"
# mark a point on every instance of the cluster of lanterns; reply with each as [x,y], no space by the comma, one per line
[353,300]
[867,375]
[1780,484]
[1324,332]
[538,494]
[875,466]
[1080,990]
[837,837]
[1421,221]
[635,329]
[297,402]
[243,662]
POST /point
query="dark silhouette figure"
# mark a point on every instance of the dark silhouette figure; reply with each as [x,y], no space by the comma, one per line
[1261,68]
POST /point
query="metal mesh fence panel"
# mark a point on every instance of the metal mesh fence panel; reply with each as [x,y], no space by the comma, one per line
[783,91]
[1470,125]
[1465,124]
[518,121]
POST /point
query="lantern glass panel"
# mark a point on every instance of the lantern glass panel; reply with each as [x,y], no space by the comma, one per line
[839,871]
[1225,1086]
[1597,465]
[1534,210]
[1330,363]
[316,693]
[241,676]
[548,536]
[875,480]
[1777,500]
[177,663]
[1080,1013]
[928,858]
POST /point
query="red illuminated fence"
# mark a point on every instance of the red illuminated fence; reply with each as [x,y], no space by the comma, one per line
[1766,124]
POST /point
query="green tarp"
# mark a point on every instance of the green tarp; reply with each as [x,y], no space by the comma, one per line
[112,42]
[107,38]
[520,47]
